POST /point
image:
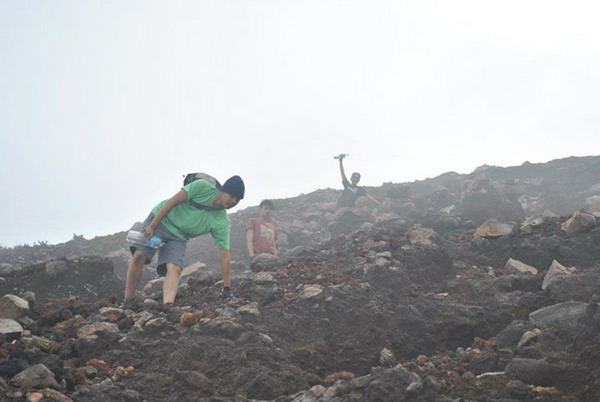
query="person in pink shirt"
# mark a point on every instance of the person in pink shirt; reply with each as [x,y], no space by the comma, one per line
[261,233]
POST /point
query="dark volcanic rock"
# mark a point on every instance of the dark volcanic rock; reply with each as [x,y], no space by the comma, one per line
[536,372]
[85,277]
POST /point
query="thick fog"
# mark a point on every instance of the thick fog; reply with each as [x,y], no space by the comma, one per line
[105,105]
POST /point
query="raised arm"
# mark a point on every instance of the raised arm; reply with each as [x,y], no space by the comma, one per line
[344,179]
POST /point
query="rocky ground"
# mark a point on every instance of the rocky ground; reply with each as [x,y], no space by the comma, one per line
[455,289]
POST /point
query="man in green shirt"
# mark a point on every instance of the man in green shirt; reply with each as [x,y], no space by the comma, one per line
[198,208]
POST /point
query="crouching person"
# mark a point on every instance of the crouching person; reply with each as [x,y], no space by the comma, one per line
[198,208]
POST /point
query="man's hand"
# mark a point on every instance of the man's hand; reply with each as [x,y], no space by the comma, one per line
[148,231]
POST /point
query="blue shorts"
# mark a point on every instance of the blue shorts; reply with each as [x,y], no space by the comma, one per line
[171,253]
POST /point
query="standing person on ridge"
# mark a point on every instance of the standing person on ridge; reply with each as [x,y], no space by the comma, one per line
[198,208]
[351,189]
[261,233]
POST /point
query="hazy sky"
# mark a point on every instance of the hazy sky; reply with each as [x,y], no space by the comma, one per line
[104,105]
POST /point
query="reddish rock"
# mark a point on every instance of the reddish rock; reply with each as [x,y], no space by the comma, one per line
[188,319]
[340,375]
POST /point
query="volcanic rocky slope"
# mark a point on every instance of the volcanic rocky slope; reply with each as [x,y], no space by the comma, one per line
[480,287]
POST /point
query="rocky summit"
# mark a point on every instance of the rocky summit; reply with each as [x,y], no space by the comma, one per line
[478,287]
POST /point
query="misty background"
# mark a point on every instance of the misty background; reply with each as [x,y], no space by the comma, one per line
[105,105]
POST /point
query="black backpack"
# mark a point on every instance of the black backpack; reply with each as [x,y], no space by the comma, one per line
[191,177]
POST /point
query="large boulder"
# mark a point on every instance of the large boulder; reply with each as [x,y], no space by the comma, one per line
[35,377]
[555,271]
[579,222]
[565,318]
[535,372]
[573,287]
[10,329]
[12,306]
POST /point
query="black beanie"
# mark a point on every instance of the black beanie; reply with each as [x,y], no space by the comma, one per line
[234,186]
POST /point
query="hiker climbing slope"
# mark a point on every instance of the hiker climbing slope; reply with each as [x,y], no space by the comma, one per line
[198,208]
[351,188]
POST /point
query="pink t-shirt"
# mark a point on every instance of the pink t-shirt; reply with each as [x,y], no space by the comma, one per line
[265,235]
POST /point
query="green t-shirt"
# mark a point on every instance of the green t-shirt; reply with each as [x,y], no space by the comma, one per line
[186,221]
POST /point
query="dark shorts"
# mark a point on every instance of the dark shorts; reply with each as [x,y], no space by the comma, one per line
[171,253]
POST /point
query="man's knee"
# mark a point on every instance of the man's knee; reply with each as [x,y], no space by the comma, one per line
[139,258]
[174,269]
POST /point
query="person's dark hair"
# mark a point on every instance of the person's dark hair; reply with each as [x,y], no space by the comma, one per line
[267,203]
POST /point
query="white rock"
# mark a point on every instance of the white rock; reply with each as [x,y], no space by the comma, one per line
[10,329]
[12,306]
[521,267]
[555,270]
[493,229]
[310,291]
[387,358]
[528,337]
[578,223]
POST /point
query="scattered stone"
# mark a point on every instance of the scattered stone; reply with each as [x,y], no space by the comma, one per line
[579,222]
[555,270]
[262,276]
[188,319]
[194,270]
[530,224]
[30,297]
[387,358]
[310,291]
[14,307]
[263,262]
[249,309]
[414,387]
[153,289]
[423,236]
[565,317]
[96,328]
[35,377]
[518,390]
[10,329]
[519,266]
[340,375]
[528,337]
[44,344]
[493,229]
[536,372]
[375,245]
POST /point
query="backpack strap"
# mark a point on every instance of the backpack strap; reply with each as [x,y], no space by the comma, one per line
[204,207]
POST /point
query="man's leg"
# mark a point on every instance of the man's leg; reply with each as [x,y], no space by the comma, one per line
[171,282]
[134,272]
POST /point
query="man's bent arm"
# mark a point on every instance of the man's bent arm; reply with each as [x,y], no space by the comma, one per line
[177,199]
[225,258]
[250,241]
